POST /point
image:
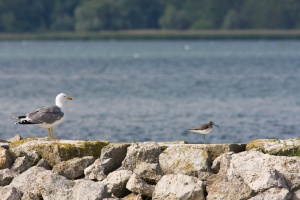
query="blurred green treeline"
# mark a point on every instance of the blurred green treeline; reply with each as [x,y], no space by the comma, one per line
[96,15]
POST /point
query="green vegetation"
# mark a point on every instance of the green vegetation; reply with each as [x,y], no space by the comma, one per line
[80,16]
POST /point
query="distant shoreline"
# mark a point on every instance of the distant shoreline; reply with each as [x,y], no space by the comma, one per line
[158,35]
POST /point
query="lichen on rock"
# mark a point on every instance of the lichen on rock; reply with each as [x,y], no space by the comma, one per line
[56,151]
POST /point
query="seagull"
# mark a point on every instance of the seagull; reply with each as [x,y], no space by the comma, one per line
[48,116]
[204,129]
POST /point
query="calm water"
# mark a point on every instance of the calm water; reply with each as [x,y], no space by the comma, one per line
[140,91]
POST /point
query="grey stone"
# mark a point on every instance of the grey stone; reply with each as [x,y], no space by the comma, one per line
[150,172]
[10,193]
[111,159]
[132,196]
[86,189]
[289,147]
[112,156]
[141,152]
[116,182]
[27,181]
[15,138]
[56,151]
[73,168]
[185,159]
[21,164]
[274,194]
[44,164]
[178,187]
[30,196]
[6,176]
[95,171]
[53,186]
[249,174]
[5,158]
[137,185]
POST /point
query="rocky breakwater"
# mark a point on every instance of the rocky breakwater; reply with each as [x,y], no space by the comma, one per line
[74,170]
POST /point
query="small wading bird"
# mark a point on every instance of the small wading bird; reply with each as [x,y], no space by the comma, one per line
[48,116]
[204,129]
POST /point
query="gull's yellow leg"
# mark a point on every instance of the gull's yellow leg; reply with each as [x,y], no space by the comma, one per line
[52,133]
[49,131]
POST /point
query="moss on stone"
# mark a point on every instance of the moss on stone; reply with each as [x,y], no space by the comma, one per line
[20,142]
[61,150]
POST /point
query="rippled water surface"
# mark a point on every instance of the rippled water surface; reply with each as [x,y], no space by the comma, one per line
[154,90]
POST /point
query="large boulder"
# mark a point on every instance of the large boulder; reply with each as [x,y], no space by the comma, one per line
[53,186]
[116,183]
[5,158]
[185,159]
[141,152]
[73,168]
[111,159]
[252,173]
[10,193]
[178,187]
[274,194]
[289,147]
[6,176]
[21,164]
[86,189]
[150,172]
[137,185]
[56,151]
[27,181]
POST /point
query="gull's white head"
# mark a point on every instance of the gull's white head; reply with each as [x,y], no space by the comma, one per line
[61,99]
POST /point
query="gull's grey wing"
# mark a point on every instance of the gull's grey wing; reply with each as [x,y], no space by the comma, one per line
[48,115]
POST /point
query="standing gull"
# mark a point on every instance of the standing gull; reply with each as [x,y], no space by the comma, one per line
[48,116]
[204,129]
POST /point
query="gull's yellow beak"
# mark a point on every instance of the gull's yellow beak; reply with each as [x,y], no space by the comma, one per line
[70,98]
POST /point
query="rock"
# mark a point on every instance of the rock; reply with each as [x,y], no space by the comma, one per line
[261,171]
[27,181]
[132,196]
[225,189]
[137,185]
[21,164]
[15,139]
[10,193]
[141,152]
[43,163]
[150,172]
[112,156]
[247,174]
[86,189]
[30,196]
[168,144]
[178,187]
[5,158]
[184,159]
[56,151]
[6,176]
[116,182]
[289,147]
[274,194]
[73,168]
[53,186]
[111,159]
[95,171]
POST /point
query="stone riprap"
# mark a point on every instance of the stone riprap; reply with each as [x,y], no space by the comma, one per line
[42,168]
